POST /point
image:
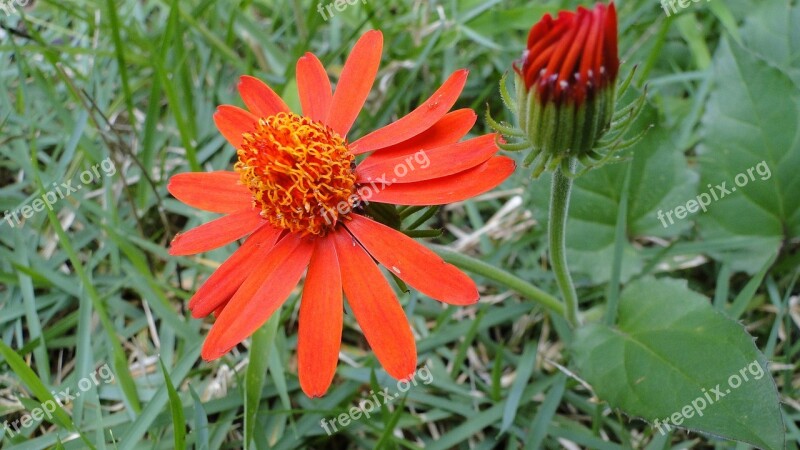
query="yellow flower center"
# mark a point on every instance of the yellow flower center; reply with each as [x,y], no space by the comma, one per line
[300,173]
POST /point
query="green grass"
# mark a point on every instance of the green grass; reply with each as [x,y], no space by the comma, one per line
[91,282]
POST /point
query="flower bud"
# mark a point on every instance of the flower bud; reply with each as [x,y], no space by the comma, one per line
[566,86]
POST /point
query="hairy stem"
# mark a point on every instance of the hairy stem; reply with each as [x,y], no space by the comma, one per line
[502,277]
[559,208]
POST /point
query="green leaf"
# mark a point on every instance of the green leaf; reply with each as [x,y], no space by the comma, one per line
[546,412]
[674,359]
[692,32]
[750,135]
[144,421]
[178,420]
[36,386]
[260,349]
[200,430]
[524,371]
[771,32]
[742,301]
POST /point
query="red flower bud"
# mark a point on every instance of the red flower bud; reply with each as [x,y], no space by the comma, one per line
[571,58]
[566,86]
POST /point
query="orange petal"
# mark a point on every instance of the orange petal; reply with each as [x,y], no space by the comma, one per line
[314,88]
[355,82]
[540,30]
[223,283]
[233,122]
[430,164]
[262,293]
[453,188]
[260,99]
[216,233]
[571,64]
[418,120]
[376,308]
[320,331]
[218,192]
[414,263]
[448,130]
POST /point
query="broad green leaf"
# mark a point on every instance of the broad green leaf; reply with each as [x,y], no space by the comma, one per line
[752,146]
[674,358]
[771,32]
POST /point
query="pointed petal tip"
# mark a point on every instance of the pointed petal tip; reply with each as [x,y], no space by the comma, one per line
[174,250]
[195,311]
[312,391]
[375,36]
[246,81]
[469,296]
[260,99]
[404,371]
[211,350]
[374,33]
[221,108]
[208,354]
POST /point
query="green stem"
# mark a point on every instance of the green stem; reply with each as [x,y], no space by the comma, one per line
[502,277]
[559,207]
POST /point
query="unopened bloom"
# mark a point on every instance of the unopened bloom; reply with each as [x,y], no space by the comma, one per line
[566,85]
[299,195]
[572,59]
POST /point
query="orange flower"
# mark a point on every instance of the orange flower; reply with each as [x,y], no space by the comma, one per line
[298,194]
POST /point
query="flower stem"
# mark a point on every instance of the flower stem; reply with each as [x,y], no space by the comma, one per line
[557,229]
[500,276]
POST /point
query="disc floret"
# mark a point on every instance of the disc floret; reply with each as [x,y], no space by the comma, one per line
[299,172]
